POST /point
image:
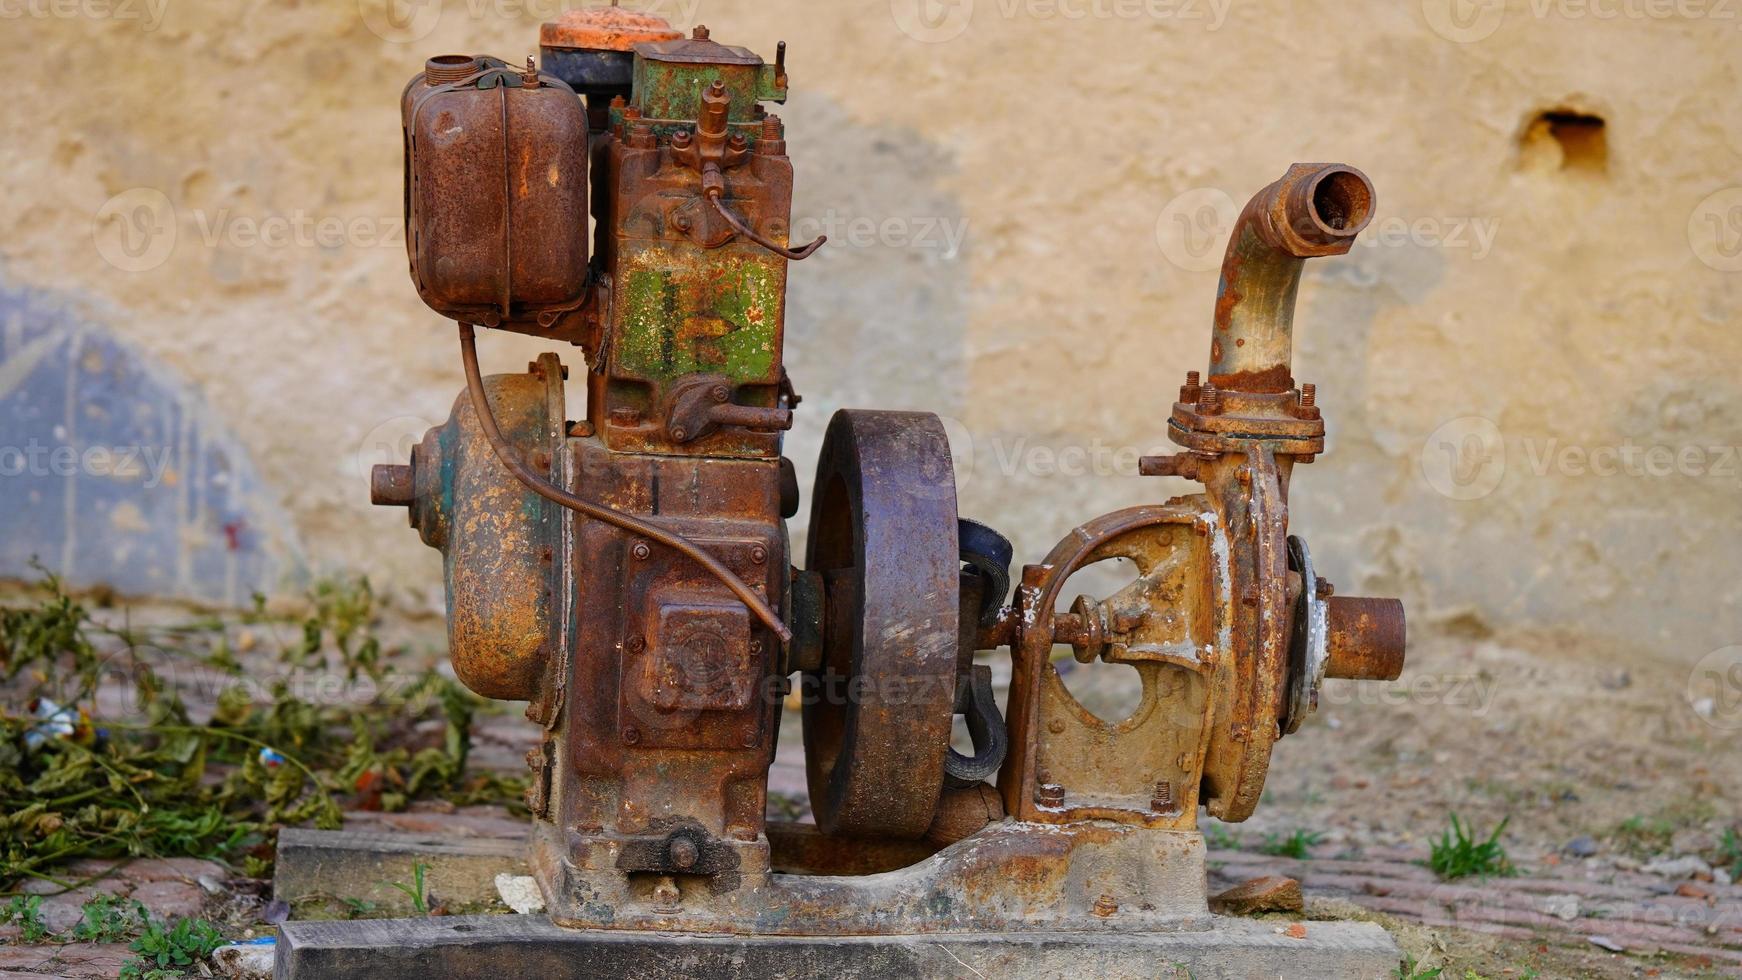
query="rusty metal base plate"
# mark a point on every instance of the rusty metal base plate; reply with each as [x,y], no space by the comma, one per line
[530,946]
[1087,877]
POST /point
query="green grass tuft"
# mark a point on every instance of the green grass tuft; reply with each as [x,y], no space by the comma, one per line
[1459,853]
[1297,845]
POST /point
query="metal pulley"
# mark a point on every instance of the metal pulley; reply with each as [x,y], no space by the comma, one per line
[883,535]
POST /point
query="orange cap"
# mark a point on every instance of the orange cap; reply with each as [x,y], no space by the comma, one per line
[605,28]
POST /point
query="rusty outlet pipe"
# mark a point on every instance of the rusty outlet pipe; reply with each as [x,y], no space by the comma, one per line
[1364,639]
[1314,209]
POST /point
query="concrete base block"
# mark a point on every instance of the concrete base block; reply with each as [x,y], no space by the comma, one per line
[530,946]
[458,871]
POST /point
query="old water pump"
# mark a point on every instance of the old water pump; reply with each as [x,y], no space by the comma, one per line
[628,574]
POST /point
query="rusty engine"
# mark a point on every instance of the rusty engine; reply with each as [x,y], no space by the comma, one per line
[629,575]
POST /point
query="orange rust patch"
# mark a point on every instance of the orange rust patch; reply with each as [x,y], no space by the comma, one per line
[605,28]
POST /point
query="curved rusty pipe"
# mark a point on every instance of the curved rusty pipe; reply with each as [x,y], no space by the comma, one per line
[1315,209]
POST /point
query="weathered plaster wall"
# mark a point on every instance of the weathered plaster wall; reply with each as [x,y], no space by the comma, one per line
[1027,199]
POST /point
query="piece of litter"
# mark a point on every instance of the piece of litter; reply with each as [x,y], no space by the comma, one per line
[1563,907]
[1607,943]
[520,893]
[246,961]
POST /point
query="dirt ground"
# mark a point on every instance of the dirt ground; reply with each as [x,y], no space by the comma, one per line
[1616,795]
[1594,756]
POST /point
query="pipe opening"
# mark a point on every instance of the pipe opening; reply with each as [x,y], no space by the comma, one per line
[1342,202]
[446,68]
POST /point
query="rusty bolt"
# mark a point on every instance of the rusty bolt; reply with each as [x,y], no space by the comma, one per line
[1105,906]
[641,550]
[701,32]
[1056,726]
[631,735]
[758,554]
[625,415]
[1309,393]
[681,221]
[1162,802]
[681,138]
[1049,794]
[738,141]
[618,102]
[636,642]
[719,393]
[679,434]
[1193,377]
[1324,588]
[755,646]
[684,853]
[1210,400]
[773,128]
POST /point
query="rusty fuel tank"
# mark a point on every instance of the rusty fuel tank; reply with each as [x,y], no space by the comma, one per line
[495,191]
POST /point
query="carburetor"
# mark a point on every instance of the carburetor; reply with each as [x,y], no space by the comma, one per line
[629,574]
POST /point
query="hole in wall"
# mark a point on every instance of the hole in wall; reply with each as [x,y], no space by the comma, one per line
[1565,140]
